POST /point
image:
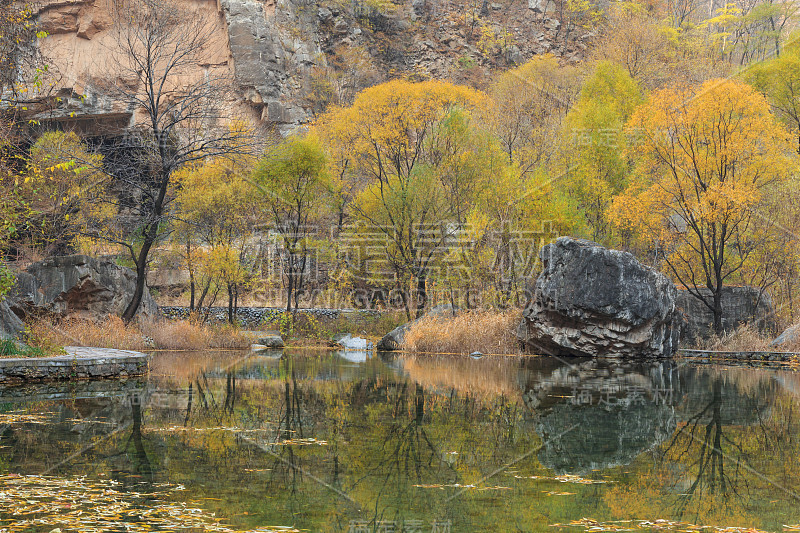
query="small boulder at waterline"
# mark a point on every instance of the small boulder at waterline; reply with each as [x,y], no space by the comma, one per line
[348,342]
[270,340]
[591,301]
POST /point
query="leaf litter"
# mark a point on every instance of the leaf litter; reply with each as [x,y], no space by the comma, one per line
[460,486]
[589,524]
[77,504]
[24,417]
[568,478]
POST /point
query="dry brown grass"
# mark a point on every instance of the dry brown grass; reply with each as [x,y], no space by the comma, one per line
[488,332]
[191,335]
[744,339]
[110,333]
[113,333]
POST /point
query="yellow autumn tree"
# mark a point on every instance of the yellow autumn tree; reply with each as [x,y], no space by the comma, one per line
[711,160]
[598,167]
[530,103]
[214,212]
[292,177]
[62,183]
[393,164]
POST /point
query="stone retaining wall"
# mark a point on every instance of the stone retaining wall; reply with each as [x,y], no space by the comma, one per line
[79,363]
[255,316]
[740,356]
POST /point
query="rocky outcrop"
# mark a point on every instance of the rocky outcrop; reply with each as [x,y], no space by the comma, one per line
[591,301]
[270,64]
[10,325]
[77,286]
[394,339]
[286,57]
[740,305]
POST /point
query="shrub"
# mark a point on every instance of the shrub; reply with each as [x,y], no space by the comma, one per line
[9,348]
[488,332]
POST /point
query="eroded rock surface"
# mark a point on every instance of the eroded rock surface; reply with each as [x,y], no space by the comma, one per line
[788,338]
[740,305]
[10,324]
[591,301]
[289,58]
[77,286]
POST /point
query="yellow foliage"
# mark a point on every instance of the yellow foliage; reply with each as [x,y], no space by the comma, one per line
[62,187]
[711,158]
[385,127]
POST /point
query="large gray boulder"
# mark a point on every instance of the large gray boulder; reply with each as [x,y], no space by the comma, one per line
[77,286]
[591,301]
[740,306]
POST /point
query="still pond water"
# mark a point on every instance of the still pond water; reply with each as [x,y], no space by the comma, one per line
[325,441]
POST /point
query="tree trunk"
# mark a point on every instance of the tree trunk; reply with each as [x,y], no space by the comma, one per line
[203,295]
[141,278]
[718,310]
[289,287]
[191,291]
[191,275]
[422,295]
[230,303]
[235,300]
[150,236]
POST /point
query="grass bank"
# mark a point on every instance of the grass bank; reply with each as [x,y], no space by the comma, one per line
[48,333]
[746,339]
[10,348]
[488,332]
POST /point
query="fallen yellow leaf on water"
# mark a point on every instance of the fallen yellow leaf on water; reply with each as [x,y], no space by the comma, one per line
[94,506]
[589,524]
[568,478]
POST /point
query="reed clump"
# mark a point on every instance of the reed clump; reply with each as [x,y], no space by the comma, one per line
[484,331]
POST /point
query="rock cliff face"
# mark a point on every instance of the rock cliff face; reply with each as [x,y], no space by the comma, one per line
[287,55]
[270,61]
[77,286]
[590,301]
[740,305]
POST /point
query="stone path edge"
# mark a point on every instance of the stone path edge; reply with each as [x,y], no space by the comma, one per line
[78,363]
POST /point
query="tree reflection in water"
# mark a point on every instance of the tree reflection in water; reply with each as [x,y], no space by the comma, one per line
[316,441]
